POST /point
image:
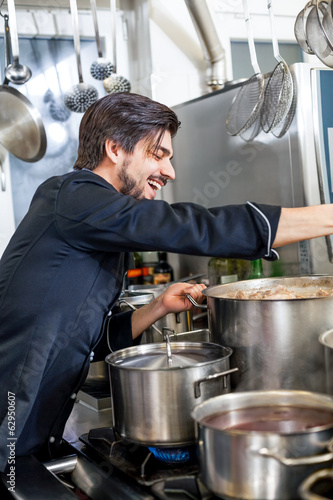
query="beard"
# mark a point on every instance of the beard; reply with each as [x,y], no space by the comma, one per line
[129,185]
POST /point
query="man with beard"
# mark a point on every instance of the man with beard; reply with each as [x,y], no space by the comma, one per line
[63,269]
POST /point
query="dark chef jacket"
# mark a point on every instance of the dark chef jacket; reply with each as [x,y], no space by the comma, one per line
[63,271]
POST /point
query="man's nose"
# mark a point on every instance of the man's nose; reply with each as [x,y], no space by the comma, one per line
[168,170]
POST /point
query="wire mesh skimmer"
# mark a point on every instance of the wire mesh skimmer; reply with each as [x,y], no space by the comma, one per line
[279,88]
[244,114]
[319,31]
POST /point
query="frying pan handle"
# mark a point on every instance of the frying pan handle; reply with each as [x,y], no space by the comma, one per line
[194,303]
[197,390]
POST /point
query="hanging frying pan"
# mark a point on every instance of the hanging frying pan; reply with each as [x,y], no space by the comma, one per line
[22,131]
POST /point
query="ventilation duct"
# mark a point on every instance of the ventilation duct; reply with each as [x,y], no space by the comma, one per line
[213,52]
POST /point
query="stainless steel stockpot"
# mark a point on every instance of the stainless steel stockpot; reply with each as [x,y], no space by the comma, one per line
[240,462]
[275,342]
[152,400]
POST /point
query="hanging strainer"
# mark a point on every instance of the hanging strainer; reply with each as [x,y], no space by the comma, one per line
[244,114]
[319,31]
[300,25]
[283,127]
[101,68]
[115,83]
[82,95]
[279,88]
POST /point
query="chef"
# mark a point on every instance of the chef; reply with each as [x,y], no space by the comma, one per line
[63,269]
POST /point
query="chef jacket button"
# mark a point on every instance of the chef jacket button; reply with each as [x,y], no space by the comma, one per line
[73,396]
[92,354]
[52,439]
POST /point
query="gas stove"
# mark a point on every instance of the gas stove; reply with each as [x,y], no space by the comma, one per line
[138,466]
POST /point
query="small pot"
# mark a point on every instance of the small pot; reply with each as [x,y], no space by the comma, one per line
[152,400]
[262,444]
[326,339]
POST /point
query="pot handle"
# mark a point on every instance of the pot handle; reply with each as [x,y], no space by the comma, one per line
[308,460]
[305,487]
[197,390]
[194,303]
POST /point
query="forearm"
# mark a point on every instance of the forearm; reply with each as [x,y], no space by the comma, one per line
[144,317]
[303,223]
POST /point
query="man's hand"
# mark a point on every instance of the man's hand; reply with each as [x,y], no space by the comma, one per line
[172,300]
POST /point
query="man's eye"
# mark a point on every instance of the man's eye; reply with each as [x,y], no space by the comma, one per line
[157,157]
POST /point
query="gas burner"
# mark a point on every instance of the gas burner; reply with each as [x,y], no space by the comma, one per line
[133,460]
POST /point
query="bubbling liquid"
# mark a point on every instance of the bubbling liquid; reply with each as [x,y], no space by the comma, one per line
[279,419]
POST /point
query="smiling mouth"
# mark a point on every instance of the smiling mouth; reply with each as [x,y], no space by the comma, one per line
[155,185]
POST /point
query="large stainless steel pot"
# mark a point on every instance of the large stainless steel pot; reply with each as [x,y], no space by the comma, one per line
[152,401]
[275,342]
[266,455]
[326,339]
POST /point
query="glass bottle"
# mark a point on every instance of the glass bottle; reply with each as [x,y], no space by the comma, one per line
[149,261]
[163,272]
[222,270]
[256,270]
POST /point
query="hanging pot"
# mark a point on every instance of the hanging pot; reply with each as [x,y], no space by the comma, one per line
[152,399]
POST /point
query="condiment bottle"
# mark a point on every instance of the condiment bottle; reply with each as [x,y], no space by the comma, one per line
[149,261]
[163,272]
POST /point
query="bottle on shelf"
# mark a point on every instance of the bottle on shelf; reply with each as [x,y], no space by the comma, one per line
[256,270]
[222,270]
[163,272]
[149,261]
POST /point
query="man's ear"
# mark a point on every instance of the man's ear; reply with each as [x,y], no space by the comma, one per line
[112,151]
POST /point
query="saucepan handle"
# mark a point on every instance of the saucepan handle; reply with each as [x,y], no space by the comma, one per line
[195,303]
[304,489]
[307,460]
[197,390]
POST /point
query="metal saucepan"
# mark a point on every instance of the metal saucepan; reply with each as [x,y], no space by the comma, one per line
[152,399]
[275,342]
[262,444]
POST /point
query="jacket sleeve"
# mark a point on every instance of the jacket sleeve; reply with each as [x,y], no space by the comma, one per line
[92,216]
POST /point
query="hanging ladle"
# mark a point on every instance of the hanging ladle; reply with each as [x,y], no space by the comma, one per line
[15,72]
[82,95]
[101,68]
[115,83]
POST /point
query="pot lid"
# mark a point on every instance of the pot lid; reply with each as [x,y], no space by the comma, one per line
[155,356]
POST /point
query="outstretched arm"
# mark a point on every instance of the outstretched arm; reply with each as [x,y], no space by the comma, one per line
[303,223]
[173,299]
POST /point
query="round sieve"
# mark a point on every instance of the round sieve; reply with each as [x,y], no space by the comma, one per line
[244,114]
[279,88]
[300,25]
[80,96]
[319,31]
[283,127]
